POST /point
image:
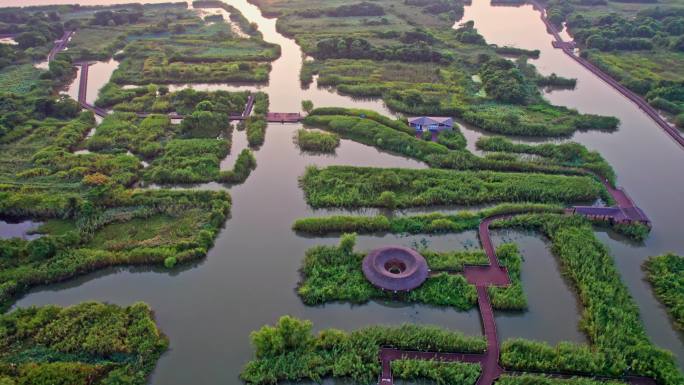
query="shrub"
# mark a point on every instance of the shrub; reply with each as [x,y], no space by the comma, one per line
[666,275]
[256,130]
[347,243]
[317,141]
[244,165]
[170,262]
[307,106]
[388,199]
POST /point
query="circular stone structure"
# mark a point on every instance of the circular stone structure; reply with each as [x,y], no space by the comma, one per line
[395,268]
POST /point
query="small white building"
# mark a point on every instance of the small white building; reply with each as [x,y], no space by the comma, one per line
[431,123]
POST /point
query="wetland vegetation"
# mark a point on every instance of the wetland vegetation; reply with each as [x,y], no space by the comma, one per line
[86,181]
[666,275]
[89,343]
[289,351]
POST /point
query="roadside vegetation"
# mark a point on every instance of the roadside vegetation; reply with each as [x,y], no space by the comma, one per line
[456,373]
[666,275]
[569,154]
[85,344]
[640,45]
[529,379]
[158,99]
[289,351]
[408,54]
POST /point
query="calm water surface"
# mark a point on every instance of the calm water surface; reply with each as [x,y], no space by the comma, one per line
[249,277]
[18,229]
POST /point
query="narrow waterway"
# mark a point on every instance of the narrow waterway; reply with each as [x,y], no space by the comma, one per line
[250,276]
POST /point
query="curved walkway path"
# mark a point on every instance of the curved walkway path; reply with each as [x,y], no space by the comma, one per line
[568,49]
[483,277]
[83,92]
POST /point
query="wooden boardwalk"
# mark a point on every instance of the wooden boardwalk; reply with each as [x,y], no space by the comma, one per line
[83,91]
[387,355]
[483,277]
[284,117]
[60,45]
[568,49]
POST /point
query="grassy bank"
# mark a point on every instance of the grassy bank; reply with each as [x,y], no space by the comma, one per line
[90,343]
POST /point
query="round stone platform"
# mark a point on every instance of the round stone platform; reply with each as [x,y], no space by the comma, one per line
[395,268]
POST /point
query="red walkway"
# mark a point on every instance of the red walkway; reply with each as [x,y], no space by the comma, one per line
[387,355]
[491,370]
[60,45]
[483,277]
[284,117]
[83,92]
[567,48]
[492,274]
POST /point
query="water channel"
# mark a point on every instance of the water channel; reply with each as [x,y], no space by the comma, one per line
[249,277]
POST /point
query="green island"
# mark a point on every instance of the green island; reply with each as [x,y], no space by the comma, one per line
[332,274]
[313,141]
[665,275]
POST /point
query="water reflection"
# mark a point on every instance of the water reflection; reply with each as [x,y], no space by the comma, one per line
[23,229]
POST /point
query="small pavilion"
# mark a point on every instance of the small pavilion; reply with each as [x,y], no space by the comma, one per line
[431,123]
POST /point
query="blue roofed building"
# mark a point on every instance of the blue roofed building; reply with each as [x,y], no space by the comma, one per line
[431,123]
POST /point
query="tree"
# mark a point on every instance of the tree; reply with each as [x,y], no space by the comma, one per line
[679,120]
[204,105]
[30,39]
[598,42]
[307,105]
[290,334]
[678,45]
[204,124]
